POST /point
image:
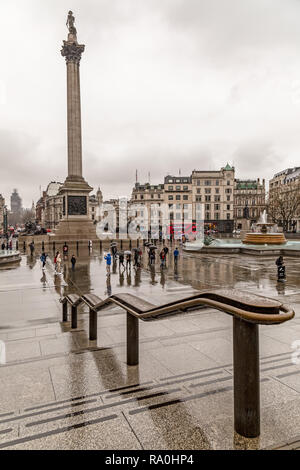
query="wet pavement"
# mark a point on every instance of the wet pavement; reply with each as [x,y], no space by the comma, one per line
[58,390]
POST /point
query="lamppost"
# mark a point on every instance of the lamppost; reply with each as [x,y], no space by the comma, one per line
[5,225]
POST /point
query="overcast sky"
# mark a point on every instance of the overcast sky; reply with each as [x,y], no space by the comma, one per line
[165,85]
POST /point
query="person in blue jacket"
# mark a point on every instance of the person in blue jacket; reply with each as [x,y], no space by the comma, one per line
[176,256]
[108,262]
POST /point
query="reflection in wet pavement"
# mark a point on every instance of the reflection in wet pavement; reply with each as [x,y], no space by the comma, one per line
[60,390]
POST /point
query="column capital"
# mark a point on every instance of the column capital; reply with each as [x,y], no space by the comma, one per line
[72,51]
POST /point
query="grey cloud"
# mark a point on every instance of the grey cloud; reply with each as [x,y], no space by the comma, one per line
[166,85]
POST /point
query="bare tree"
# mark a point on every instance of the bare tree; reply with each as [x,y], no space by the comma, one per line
[284,204]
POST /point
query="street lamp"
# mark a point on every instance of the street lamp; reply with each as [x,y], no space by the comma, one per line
[5,225]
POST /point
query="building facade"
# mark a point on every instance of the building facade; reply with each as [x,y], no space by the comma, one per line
[2,204]
[249,202]
[284,199]
[215,190]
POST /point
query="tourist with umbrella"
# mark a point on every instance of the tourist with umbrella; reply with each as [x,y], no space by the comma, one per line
[127,253]
[136,257]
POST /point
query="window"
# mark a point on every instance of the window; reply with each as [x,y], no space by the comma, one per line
[135,197]
[228,183]
[178,188]
[152,196]
[170,198]
[178,197]
[207,182]
[228,216]
[198,182]
[228,207]
[228,190]
[170,188]
[207,190]
[207,216]
[217,198]
[198,191]
[217,191]
[178,206]
[207,207]
[207,198]
[217,182]
[217,215]
[217,207]
[142,196]
[185,197]
[228,198]
[185,188]
[158,196]
[198,198]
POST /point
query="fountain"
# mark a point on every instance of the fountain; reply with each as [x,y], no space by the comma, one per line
[265,233]
[9,257]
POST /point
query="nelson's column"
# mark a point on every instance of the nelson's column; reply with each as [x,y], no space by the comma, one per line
[75,223]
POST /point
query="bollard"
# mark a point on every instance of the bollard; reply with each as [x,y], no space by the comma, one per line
[65,311]
[121,245]
[77,245]
[53,246]
[24,246]
[93,325]
[17,245]
[246,378]
[74,317]
[138,243]
[132,340]
[43,246]
[130,244]
[100,245]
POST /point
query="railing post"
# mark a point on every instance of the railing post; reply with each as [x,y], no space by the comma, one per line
[74,317]
[132,340]
[93,325]
[65,311]
[246,378]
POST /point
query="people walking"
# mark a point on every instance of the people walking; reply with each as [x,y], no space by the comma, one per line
[108,262]
[58,263]
[128,260]
[31,246]
[43,260]
[151,256]
[162,256]
[73,262]
[166,250]
[136,258]
[3,246]
[65,249]
[121,260]
[176,256]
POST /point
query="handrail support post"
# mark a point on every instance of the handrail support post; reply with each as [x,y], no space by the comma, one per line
[246,378]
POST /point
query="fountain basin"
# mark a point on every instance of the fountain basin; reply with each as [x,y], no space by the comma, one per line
[8,257]
[254,238]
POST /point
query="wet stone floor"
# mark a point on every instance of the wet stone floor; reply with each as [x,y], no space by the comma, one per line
[58,390]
